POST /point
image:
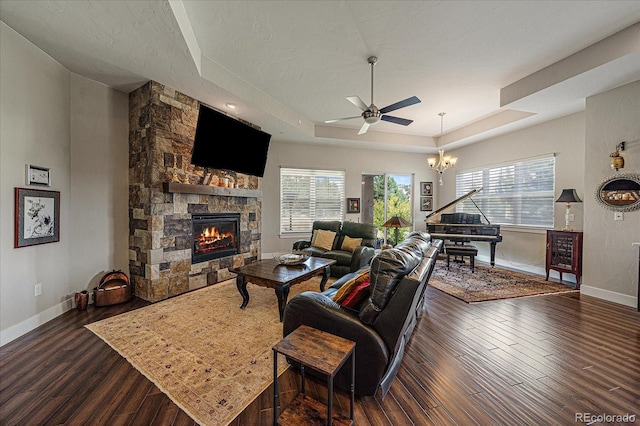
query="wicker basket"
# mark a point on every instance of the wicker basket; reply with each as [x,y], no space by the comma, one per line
[114,288]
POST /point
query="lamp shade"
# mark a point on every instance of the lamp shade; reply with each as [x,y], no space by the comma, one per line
[568,196]
[396,222]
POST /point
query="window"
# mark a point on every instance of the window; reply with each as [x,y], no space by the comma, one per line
[520,193]
[384,196]
[308,195]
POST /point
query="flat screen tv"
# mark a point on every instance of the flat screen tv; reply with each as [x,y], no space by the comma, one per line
[222,142]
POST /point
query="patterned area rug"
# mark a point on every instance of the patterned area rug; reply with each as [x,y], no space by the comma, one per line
[489,283]
[209,356]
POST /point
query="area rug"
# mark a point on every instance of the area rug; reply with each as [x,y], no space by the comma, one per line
[208,355]
[489,283]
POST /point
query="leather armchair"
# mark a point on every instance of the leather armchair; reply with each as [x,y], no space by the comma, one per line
[346,261]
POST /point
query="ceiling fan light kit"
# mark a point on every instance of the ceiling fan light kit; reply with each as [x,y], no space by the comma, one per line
[371,114]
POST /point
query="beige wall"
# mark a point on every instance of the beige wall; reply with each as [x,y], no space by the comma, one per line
[525,249]
[353,161]
[99,181]
[610,263]
[78,129]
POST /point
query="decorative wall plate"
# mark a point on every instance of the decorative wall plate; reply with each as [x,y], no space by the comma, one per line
[620,192]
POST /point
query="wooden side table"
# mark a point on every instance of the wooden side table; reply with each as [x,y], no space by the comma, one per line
[324,353]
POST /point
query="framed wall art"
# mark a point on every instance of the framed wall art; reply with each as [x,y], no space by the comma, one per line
[39,176]
[37,217]
[353,205]
[426,204]
[426,189]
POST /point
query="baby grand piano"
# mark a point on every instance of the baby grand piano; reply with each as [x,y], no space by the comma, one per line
[463,227]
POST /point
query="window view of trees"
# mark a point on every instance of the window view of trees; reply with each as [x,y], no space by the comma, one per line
[398,203]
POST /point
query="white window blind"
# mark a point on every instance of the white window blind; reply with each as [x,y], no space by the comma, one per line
[520,193]
[309,195]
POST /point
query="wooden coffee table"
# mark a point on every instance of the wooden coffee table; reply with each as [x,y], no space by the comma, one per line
[269,273]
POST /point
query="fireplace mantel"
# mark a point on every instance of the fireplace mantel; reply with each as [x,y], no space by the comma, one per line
[183,188]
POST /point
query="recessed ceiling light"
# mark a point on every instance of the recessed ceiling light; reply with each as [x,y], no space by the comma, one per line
[232,106]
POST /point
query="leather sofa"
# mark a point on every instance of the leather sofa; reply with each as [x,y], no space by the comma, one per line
[346,261]
[383,323]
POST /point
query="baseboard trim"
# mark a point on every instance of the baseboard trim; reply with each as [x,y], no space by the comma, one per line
[15,331]
[610,296]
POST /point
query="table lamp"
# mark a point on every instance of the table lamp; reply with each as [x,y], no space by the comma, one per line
[568,196]
[396,222]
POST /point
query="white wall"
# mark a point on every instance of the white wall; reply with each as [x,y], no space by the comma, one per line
[38,101]
[610,263]
[353,161]
[523,249]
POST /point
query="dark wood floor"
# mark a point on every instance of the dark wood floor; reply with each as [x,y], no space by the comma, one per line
[537,360]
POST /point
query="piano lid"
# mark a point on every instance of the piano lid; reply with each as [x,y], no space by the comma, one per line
[435,214]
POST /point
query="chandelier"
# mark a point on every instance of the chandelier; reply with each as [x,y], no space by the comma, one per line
[445,161]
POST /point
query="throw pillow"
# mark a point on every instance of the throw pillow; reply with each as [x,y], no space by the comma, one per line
[350,285]
[361,291]
[323,239]
[350,244]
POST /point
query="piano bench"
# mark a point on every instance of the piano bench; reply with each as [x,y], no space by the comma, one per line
[461,250]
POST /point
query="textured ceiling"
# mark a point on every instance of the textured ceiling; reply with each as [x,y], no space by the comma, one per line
[290,65]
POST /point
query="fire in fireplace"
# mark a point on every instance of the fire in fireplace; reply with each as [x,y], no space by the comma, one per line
[215,235]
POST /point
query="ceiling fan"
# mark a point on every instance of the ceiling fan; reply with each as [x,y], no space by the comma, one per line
[371,113]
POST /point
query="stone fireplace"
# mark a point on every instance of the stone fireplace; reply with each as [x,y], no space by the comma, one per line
[168,195]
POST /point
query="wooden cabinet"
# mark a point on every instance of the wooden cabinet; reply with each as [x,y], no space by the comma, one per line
[564,253]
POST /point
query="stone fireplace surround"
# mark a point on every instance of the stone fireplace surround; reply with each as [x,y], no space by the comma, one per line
[165,190]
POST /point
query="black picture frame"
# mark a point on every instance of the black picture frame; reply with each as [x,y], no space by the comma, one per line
[353,205]
[426,189]
[37,217]
[426,204]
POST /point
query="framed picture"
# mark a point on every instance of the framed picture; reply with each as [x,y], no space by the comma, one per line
[426,204]
[426,189]
[37,175]
[37,217]
[353,205]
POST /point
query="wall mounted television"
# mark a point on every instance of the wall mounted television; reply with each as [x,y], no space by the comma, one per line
[222,142]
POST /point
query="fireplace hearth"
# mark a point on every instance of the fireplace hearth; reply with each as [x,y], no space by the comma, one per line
[214,235]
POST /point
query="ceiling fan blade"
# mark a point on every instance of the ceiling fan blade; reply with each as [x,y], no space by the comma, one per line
[405,103]
[341,119]
[396,120]
[358,102]
[364,128]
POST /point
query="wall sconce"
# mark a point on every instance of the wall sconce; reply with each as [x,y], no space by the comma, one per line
[568,196]
[617,160]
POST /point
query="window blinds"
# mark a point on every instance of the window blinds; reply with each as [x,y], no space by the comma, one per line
[520,193]
[308,195]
